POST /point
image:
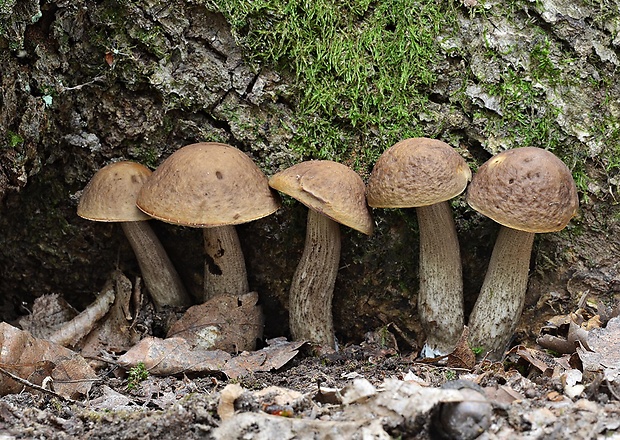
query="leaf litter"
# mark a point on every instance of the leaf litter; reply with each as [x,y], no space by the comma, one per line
[231,390]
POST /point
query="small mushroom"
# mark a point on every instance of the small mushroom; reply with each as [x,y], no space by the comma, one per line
[426,173]
[110,196]
[334,194]
[212,186]
[526,190]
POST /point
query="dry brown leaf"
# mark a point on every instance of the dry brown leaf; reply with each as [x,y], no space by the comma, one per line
[36,359]
[49,313]
[175,355]
[276,355]
[537,358]
[226,322]
[163,357]
[72,332]
[462,356]
[563,333]
[114,332]
[502,394]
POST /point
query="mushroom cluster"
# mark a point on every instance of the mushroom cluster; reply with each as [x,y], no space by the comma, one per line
[215,186]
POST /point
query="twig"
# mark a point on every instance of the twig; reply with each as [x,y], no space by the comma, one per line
[79,86]
[29,384]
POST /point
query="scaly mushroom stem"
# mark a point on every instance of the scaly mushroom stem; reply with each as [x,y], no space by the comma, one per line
[160,276]
[499,306]
[312,288]
[440,299]
[225,271]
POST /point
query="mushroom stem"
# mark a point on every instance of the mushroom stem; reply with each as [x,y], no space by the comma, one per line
[500,303]
[225,271]
[160,276]
[440,299]
[312,288]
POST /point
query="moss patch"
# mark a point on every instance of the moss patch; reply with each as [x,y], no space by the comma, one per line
[363,69]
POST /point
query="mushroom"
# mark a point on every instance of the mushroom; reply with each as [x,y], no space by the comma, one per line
[110,196]
[334,194]
[527,190]
[212,186]
[426,173]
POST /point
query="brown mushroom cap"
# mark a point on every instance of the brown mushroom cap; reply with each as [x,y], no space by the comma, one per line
[330,188]
[417,172]
[528,189]
[111,194]
[205,185]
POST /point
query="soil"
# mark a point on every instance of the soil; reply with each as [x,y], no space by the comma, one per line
[529,404]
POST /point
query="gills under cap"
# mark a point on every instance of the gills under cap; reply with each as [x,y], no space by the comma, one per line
[528,189]
[417,172]
[205,185]
[330,188]
[111,194]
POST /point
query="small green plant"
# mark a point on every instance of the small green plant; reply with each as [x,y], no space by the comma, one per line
[477,350]
[450,375]
[137,374]
[14,139]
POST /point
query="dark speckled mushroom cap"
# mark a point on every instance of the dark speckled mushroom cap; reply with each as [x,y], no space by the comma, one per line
[111,194]
[528,189]
[206,185]
[417,172]
[330,188]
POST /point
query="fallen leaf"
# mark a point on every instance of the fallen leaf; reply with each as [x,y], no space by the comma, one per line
[502,394]
[49,313]
[72,332]
[537,358]
[575,334]
[226,322]
[114,332]
[36,359]
[274,356]
[176,355]
[462,356]
[111,400]
[170,356]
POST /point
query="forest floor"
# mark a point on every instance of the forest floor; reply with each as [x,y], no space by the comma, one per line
[335,395]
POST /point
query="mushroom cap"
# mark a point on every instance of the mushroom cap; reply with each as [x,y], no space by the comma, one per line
[527,188]
[417,172]
[330,188]
[111,194]
[205,185]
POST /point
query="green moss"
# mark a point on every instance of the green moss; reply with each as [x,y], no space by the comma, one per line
[362,68]
[147,156]
[14,139]
[153,40]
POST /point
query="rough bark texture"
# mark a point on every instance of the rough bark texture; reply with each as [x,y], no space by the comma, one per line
[84,83]
[160,277]
[312,287]
[225,272]
[498,308]
[440,299]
